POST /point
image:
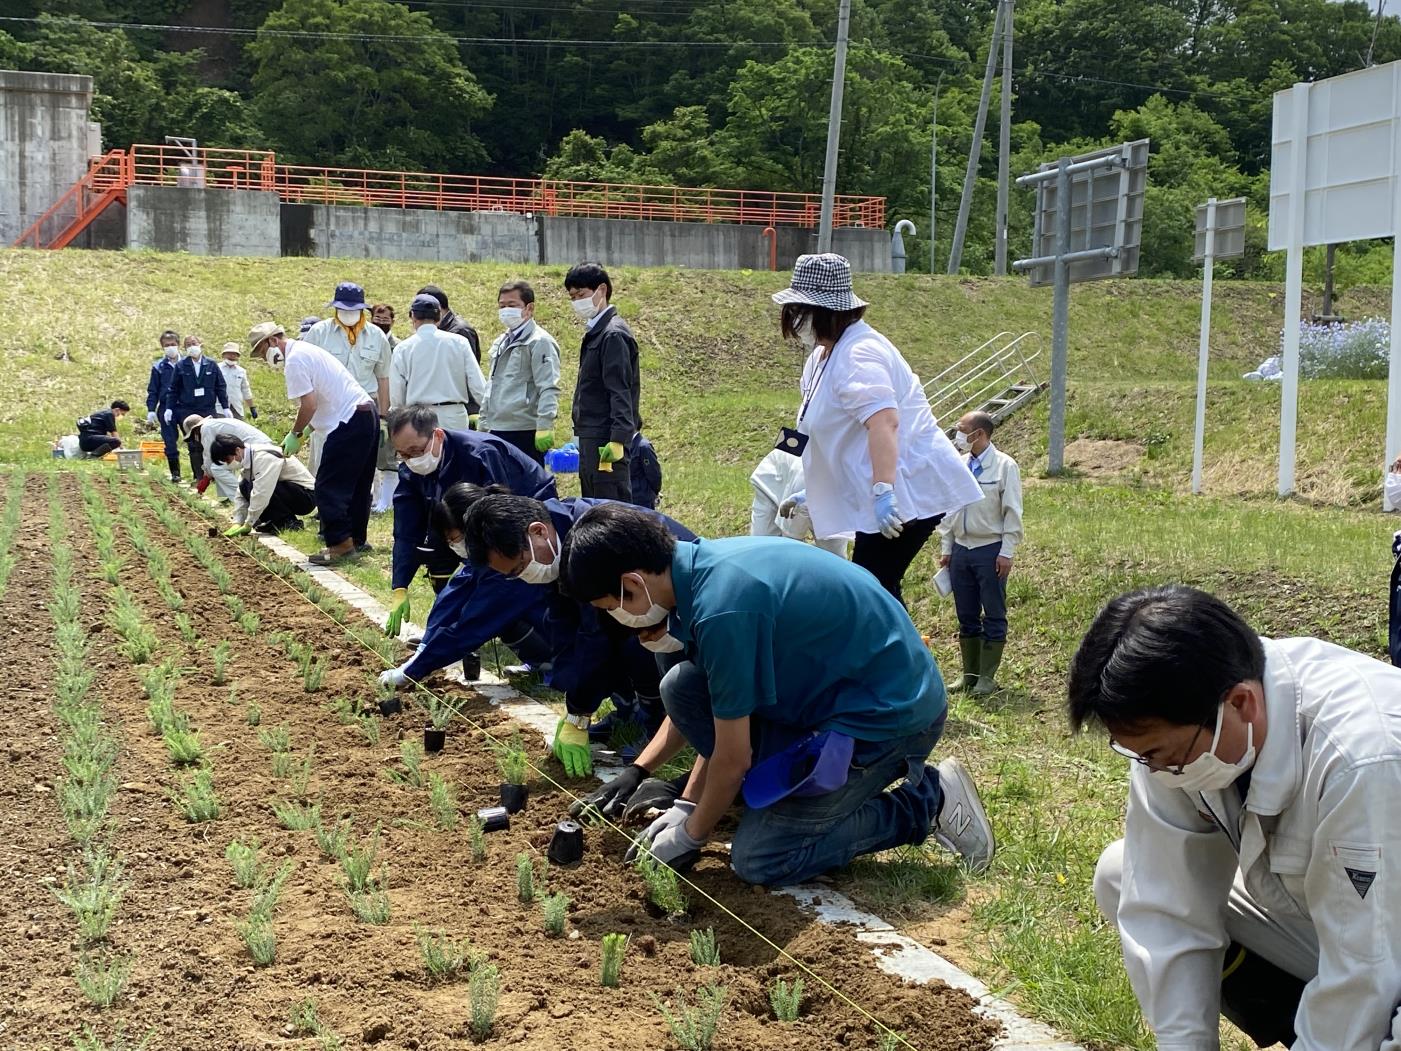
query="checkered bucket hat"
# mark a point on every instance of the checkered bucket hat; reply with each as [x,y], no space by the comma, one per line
[821,281]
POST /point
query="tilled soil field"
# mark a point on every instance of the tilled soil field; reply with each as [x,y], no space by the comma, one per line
[194,984]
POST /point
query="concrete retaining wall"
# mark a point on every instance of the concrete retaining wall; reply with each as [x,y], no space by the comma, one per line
[248,222]
[204,222]
[45,142]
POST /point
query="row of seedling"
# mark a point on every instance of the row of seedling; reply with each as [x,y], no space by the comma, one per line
[157,561]
[9,526]
[195,798]
[93,885]
[366,884]
[250,873]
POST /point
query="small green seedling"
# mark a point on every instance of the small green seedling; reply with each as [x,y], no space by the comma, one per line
[88,1040]
[442,957]
[343,709]
[525,878]
[102,979]
[260,938]
[694,1027]
[411,756]
[332,838]
[483,992]
[556,908]
[663,888]
[183,746]
[244,859]
[220,657]
[371,906]
[890,1040]
[614,947]
[704,951]
[255,714]
[281,764]
[295,816]
[442,800]
[301,772]
[358,864]
[512,761]
[186,628]
[196,799]
[369,728]
[250,622]
[786,999]
[268,890]
[476,838]
[93,895]
[304,1021]
[276,739]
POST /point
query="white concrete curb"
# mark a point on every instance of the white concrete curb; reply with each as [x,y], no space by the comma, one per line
[895,953]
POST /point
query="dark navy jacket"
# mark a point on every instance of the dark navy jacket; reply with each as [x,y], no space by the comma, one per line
[467,457]
[479,604]
[156,387]
[185,379]
[645,472]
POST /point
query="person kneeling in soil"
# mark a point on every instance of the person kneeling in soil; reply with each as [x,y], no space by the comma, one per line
[204,431]
[274,491]
[592,657]
[1261,860]
[806,686]
[97,433]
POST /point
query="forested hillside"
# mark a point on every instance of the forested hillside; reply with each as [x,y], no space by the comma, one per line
[717,92]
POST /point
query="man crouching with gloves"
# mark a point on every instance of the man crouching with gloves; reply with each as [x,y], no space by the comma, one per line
[1260,871]
[807,688]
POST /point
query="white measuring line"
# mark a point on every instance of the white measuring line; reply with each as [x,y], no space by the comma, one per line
[895,953]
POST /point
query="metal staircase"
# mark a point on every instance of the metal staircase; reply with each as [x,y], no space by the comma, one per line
[105,182]
[998,378]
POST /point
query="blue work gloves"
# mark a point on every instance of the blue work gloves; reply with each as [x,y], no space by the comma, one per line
[887,511]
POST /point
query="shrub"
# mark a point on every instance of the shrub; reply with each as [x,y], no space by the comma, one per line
[694,1027]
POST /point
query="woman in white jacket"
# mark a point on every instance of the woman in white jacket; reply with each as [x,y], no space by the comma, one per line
[876,462]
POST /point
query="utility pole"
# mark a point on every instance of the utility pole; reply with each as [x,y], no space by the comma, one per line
[934,173]
[834,129]
[1004,142]
[970,177]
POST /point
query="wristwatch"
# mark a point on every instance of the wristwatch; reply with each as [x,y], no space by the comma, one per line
[580,722]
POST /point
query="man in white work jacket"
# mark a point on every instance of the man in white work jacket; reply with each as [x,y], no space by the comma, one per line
[349,336]
[1259,876]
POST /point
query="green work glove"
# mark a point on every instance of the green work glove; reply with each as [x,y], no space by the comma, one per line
[571,748]
[291,444]
[242,530]
[544,441]
[611,453]
[474,421]
[398,612]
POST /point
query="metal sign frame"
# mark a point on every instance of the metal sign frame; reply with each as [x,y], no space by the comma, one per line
[1106,206]
[1226,222]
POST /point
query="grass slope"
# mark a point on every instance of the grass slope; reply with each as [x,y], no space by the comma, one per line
[718,383]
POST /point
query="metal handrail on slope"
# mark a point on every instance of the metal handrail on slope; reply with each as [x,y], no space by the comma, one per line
[980,376]
[107,176]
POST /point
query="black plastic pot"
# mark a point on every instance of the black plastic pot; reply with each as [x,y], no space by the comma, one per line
[433,739]
[213,531]
[390,706]
[494,818]
[472,667]
[513,798]
[567,846]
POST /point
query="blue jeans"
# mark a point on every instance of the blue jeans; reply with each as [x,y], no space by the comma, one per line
[801,837]
[979,597]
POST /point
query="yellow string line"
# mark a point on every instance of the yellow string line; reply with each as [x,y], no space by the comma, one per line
[249,552]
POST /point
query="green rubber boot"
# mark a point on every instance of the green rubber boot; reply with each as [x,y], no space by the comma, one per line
[987,668]
[971,649]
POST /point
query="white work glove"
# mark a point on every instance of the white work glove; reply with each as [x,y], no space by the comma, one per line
[150,417]
[225,412]
[677,815]
[676,847]
[169,413]
[887,511]
[797,500]
[393,678]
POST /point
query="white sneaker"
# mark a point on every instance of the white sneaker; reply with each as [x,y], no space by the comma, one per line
[962,825]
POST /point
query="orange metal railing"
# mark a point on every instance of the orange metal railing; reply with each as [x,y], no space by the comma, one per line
[150,165]
[106,180]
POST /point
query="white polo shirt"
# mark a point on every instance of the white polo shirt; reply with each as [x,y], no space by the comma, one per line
[311,370]
[863,375]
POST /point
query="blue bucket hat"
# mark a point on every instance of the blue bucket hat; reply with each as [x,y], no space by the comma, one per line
[814,766]
[349,296]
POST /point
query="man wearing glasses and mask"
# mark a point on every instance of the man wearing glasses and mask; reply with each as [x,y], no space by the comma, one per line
[1260,870]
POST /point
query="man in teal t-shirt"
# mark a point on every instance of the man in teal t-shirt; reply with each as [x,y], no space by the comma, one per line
[789,652]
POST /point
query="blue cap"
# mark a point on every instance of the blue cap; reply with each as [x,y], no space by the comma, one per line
[423,305]
[307,323]
[349,296]
[818,764]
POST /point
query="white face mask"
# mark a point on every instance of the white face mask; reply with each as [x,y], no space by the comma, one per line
[511,317]
[537,572]
[1392,487]
[962,442]
[668,643]
[586,308]
[230,362]
[171,353]
[806,336]
[196,352]
[426,463]
[655,614]
[349,318]
[1207,773]
[459,549]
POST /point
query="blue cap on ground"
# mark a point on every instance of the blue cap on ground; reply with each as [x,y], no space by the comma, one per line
[814,766]
[307,323]
[349,296]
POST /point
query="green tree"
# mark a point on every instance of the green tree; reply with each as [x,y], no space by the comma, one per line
[387,91]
